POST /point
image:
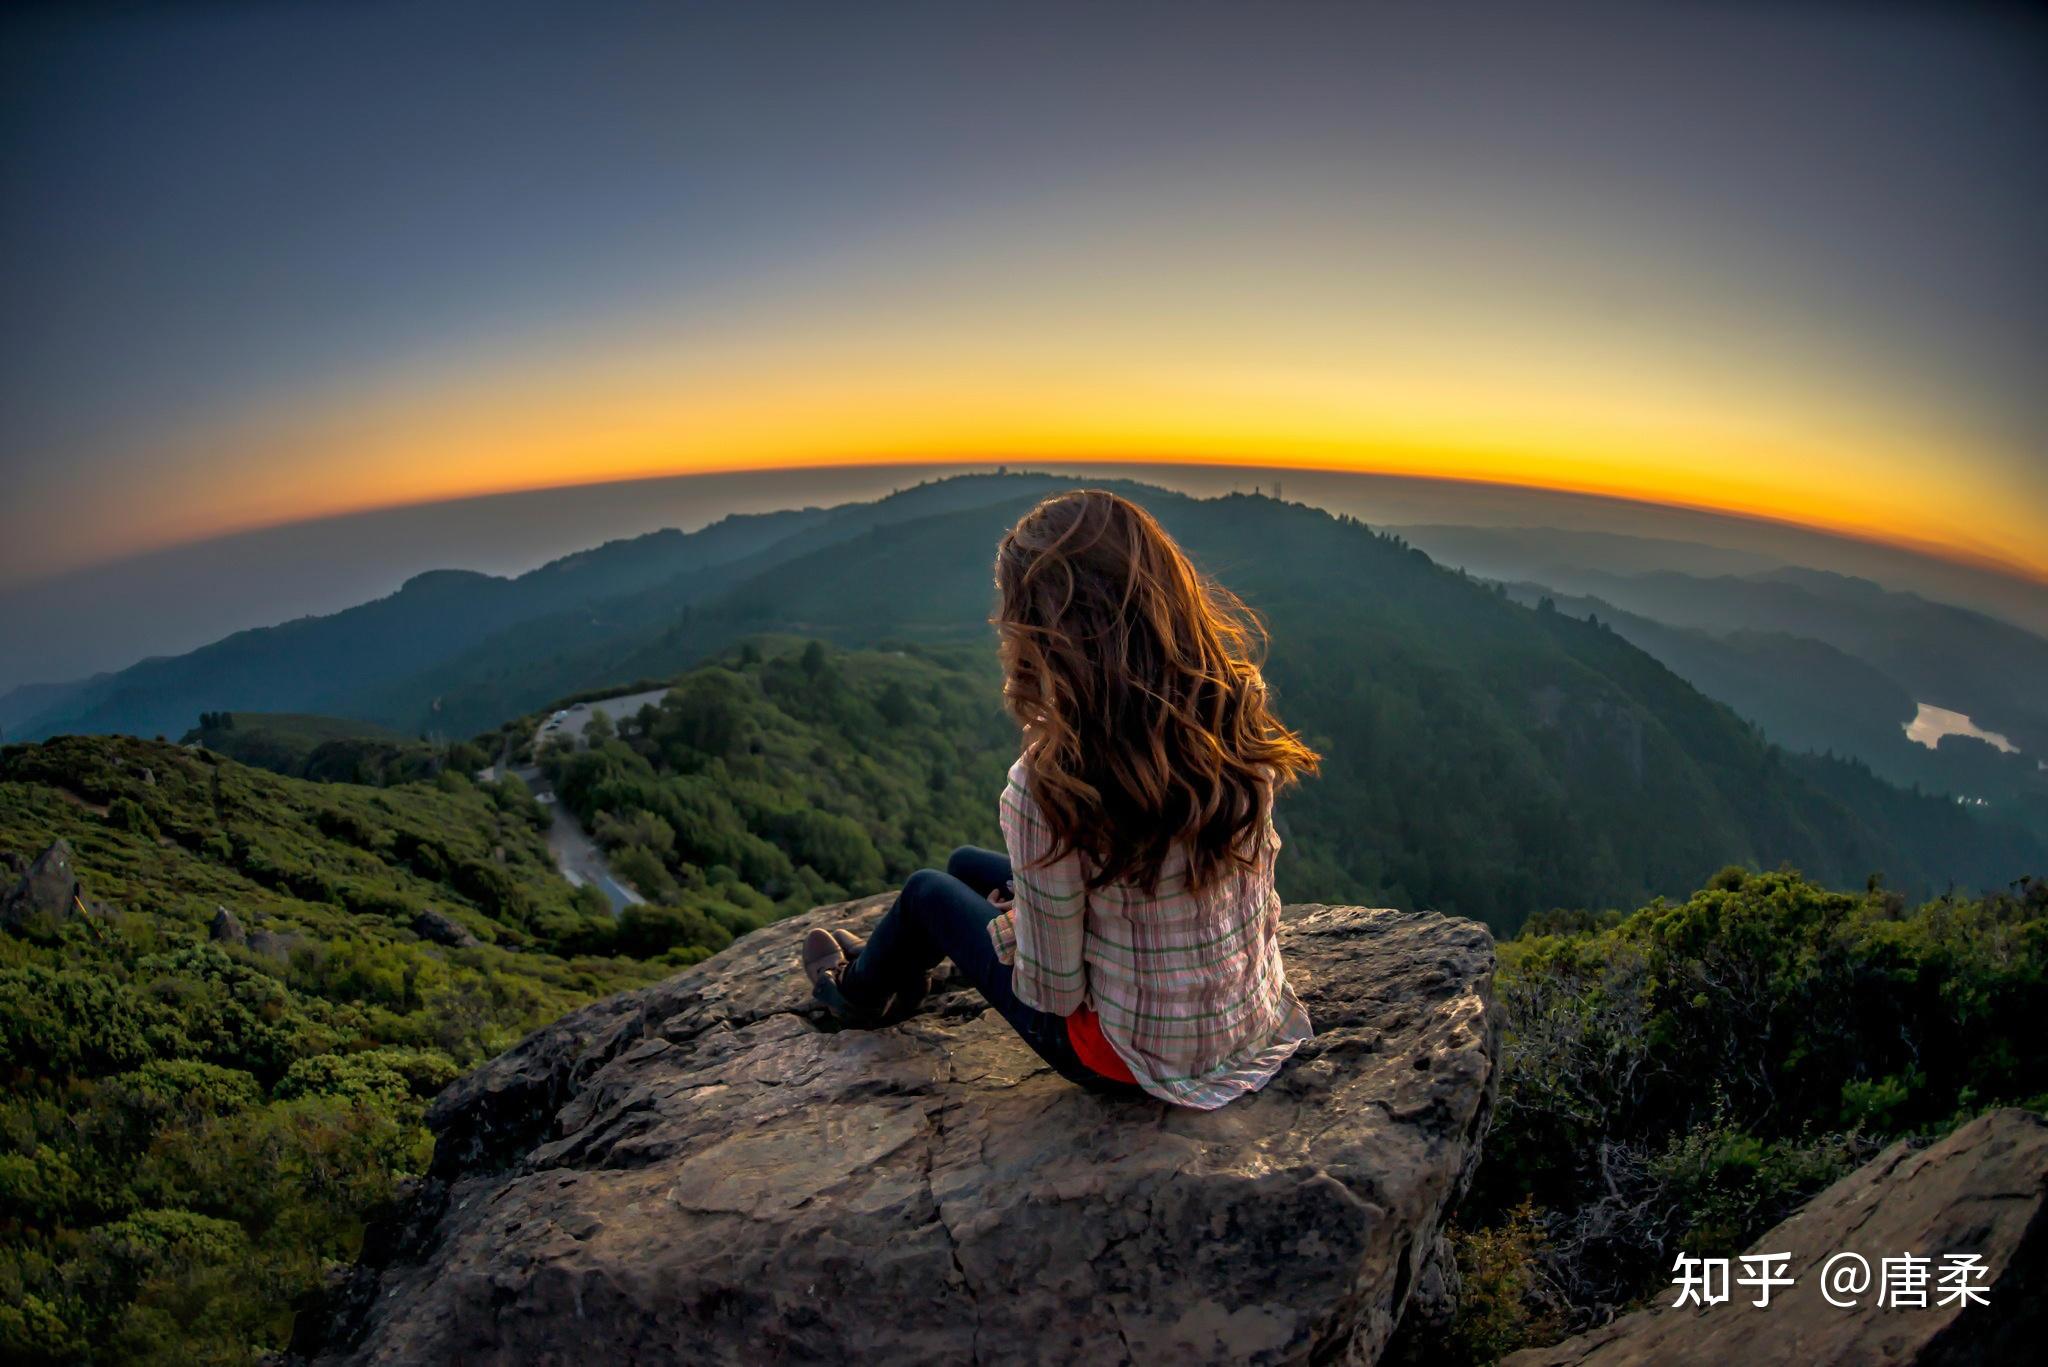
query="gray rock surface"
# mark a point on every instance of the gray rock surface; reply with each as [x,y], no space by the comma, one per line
[274,944]
[1981,1190]
[700,1172]
[226,928]
[443,929]
[46,891]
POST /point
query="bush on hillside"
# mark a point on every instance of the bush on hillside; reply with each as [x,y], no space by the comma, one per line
[1686,1077]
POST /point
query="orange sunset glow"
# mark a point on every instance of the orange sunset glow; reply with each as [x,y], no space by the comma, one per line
[1599,421]
[1811,308]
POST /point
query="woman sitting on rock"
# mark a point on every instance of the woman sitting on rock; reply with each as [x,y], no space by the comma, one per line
[1130,935]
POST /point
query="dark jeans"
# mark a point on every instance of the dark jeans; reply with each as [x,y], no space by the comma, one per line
[945,916]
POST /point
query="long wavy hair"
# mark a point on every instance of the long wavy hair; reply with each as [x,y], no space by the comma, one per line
[1136,681]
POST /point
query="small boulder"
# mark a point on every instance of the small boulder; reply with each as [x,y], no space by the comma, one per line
[443,929]
[46,892]
[226,928]
[702,1172]
[1982,1191]
[274,944]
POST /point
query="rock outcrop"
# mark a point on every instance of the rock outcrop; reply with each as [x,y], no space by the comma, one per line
[443,929]
[274,944]
[702,1172]
[44,892]
[226,928]
[1983,1191]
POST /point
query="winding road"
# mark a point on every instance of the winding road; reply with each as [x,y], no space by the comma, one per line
[576,854]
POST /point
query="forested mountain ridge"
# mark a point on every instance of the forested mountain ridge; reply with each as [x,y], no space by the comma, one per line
[1810,696]
[654,633]
[326,664]
[1483,758]
[1947,656]
[1516,737]
[387,661]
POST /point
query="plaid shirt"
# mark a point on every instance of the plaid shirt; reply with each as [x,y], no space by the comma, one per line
[1189,989]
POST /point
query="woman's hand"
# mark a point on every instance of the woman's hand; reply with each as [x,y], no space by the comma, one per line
[1002,896]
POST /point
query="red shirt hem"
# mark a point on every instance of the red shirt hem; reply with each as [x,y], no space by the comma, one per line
[1097,1055]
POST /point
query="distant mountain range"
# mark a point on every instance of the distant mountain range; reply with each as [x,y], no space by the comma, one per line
[1942,655]
[1945,656]
[335,664]
[1806,694]
[391,660]
[1482,757]
[1821,662]
[1532,552]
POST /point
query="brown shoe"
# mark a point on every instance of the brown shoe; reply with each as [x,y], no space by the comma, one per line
[823,956]
[827,954]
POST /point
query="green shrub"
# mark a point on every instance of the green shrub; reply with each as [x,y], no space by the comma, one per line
[361,1078]
[1500,1294]
[192,1132]
[647,931]
[1685,1077]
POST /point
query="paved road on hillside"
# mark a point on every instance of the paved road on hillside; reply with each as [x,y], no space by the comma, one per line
[576,854]
[622,708]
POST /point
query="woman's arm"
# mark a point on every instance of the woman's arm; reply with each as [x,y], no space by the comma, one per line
[1049,917]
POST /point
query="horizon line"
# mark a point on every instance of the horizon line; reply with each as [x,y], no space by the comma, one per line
[1959,557]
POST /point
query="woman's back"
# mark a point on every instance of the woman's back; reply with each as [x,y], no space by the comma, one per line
[1186,984]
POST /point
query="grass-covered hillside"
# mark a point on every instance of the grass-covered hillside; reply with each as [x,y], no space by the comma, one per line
[785,776]
[194,1127]
[330,749]
[219,1053]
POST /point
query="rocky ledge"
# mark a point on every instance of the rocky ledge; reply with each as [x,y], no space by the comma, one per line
[703,1172]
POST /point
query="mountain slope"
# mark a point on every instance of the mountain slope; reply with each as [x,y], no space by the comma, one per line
[219,1056]
[326,664]
[1482,757]
[660,630]
[1946,656]
[1809,696]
